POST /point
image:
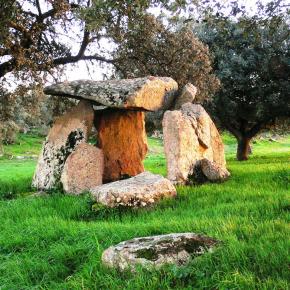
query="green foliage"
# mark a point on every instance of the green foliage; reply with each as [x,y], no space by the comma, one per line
[152,48]
[56,241]
[16,174]
[251,59]
[30,42]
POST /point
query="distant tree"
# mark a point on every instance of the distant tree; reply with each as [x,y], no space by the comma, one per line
[155,49]
[252,62]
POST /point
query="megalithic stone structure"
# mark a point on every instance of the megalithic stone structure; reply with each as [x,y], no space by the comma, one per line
[119,107]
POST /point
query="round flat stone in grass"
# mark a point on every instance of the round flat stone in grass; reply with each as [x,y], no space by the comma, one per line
[156,251]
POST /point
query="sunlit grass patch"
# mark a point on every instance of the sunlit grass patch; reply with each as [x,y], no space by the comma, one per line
[56,241]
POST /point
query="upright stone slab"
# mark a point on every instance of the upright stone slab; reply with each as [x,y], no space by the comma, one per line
[189,136]
[83,169]
[180,145]
[67,132]
[122,137]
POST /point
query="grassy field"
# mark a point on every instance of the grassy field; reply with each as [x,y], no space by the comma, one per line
[56,241]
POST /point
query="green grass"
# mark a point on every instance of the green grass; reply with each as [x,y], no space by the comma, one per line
[16,174]
[56,241]
[25,145]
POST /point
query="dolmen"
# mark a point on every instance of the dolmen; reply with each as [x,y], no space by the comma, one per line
[112,169]
[116,109]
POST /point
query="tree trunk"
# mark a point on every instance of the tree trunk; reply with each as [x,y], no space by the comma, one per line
[1,149]
[243,148]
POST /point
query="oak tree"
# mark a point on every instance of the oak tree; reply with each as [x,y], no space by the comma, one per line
[251,59]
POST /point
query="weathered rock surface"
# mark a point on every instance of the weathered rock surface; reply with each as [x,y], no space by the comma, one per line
[142,190]
[189,136]
[156,251]
[212,171]
[154,119]
[122,137]
[67,132]
[187,96]
[180,145]
[83,169]
[148,93]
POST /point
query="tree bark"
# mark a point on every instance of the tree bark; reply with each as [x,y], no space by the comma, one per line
[243,148]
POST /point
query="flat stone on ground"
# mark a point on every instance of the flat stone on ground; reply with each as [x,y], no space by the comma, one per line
[156,251]
[141,190]
[83,169]
[148,93]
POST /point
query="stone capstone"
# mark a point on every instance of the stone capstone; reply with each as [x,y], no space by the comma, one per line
[187,96]
[157,251]
[212,171]
[67,132]
[122,137]
[83,169]
[148,93]
[189,136]
[141,190]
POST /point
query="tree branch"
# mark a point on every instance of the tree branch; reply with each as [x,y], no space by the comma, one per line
[85,42]
[256,129]
[76,58]
[7,67]
[38,8]
[233,130]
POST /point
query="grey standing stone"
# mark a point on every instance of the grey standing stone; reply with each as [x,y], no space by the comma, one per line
[67,132]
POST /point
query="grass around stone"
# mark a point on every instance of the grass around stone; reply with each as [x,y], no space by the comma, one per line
[56,241]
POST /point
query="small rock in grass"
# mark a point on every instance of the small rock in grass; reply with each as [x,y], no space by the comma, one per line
[20,157]
[156,251]
[213,171]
